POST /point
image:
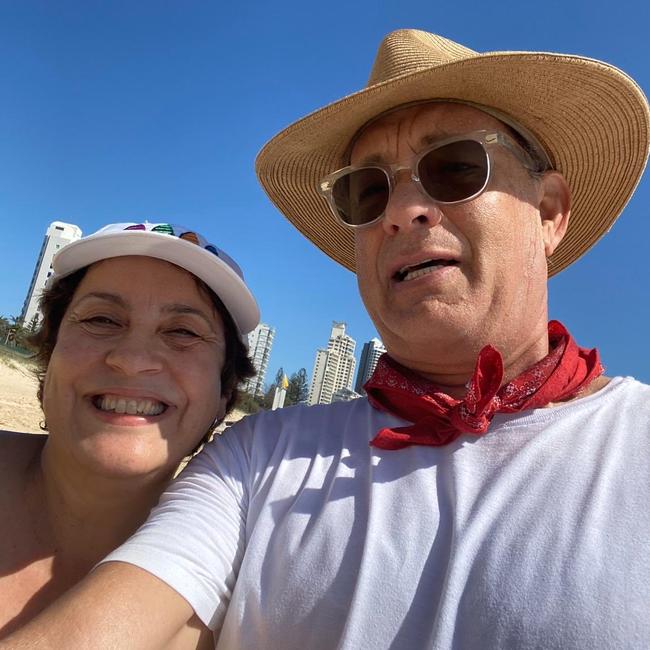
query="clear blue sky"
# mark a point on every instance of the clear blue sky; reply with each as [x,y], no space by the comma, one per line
[119,111]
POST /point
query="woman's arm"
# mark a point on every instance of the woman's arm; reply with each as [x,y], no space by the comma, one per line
[193,636]
[117,605]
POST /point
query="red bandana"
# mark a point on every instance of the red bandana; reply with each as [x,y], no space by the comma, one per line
[439,419]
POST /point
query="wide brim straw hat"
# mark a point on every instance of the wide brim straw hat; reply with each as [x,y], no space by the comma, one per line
[591,119]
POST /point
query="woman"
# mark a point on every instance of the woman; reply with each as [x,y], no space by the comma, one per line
[140,354]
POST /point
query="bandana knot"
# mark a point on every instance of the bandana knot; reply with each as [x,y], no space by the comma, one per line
[439,419]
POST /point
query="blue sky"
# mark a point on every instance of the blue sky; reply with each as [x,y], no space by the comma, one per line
[120,111]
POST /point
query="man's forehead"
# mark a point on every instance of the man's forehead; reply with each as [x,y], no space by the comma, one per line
[419,125]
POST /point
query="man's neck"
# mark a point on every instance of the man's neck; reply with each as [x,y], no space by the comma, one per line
[596,385]
[453,379]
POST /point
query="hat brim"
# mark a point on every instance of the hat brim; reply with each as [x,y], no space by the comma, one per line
[590,117]
[205,265]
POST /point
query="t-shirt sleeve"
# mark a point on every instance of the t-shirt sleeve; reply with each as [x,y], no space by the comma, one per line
[194,538]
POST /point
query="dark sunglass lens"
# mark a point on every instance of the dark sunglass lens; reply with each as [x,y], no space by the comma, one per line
[361,196]
[454,171]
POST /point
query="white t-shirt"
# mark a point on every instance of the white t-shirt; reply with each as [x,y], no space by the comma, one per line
[290,531]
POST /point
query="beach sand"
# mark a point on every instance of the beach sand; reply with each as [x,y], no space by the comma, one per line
[19,408]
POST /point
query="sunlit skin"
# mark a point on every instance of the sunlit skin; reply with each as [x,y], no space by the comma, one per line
[137,328]
[140,330]
[496,292]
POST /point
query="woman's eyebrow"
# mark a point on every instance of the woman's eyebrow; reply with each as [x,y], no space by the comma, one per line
[179,308]
[101,295]
[174,308]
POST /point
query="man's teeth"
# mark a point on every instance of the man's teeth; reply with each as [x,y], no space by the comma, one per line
[418,273]
[129,405]
[412,272]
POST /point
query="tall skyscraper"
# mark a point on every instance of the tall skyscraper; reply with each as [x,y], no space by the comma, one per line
[344,395]
[57,236]
[260,341]
[333,367]
[370,354]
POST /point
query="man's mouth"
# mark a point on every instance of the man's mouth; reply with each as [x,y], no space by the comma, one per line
[129,405]
[407,273]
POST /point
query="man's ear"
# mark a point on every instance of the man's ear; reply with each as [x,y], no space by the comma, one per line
[554,209]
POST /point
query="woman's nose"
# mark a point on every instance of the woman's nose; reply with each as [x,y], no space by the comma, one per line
[135,354]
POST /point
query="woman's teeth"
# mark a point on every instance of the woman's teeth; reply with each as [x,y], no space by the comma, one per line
[129,405]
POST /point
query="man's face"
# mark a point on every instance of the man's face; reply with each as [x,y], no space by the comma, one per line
[487,279]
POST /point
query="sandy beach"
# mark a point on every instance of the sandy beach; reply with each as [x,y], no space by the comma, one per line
[19,408]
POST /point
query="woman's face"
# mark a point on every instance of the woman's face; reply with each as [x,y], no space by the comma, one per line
[133,383]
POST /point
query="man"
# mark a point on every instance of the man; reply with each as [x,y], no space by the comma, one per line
[493,490]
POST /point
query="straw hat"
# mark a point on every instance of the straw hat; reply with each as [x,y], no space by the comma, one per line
[590,117]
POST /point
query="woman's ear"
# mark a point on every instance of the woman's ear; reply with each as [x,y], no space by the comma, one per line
[223,403]
[554,209]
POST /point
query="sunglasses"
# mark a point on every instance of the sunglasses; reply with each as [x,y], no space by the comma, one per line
[453,170]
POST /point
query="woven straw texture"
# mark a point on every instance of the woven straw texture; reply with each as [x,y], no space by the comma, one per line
[591,118]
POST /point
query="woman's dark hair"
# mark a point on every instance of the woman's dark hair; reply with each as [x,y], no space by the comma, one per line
[57,298]
[53,304]
[237,365]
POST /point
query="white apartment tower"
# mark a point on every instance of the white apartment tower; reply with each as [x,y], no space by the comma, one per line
[260,341]
[57,236]
[334,366]
[370,354]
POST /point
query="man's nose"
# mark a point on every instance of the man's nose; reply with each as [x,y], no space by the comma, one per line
[134,354]
[409,207]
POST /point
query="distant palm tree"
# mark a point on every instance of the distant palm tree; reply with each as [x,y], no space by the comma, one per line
[15,334]
[33,324]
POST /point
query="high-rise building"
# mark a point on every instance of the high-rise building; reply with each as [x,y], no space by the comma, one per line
[57,236]
[333,367]
[344,395]
[260,341]
[370,354]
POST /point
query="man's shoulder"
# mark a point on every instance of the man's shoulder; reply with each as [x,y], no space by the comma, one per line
[619,395]
[631,396]
[347,424]
[622,405]
[299,415]
[620,387]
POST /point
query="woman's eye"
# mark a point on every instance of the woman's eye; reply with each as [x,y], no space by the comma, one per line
[99,320]
[183,332]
